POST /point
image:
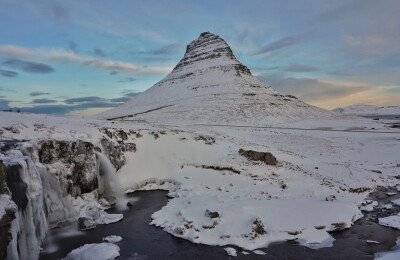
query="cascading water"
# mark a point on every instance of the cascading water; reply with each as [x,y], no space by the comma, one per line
[58,204]
[108,181]
[30,226]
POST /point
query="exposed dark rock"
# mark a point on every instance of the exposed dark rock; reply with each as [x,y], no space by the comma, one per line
[116,145]
[3,178]
[86,223]
[266,157]
[114,152]
[207,139]
[199,50]
[5,234]
[130,203]
[258,227]
[218,168]
[108,201]
[330,198]
[359,190]
[17,186]
[78,156]
[212,214]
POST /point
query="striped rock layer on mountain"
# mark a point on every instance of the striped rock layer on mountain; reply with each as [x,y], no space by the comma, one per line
[210,86]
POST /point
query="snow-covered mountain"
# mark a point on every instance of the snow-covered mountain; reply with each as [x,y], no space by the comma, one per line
[368,110]
[209,85]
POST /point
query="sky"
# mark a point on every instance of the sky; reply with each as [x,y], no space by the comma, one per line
[78,58]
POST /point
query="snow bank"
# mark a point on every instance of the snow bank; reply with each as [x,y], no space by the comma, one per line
[391,221]
[390,255]
[102,251]
[112,239]
[230,251]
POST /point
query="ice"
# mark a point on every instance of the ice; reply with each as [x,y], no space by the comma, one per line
[391,221]
[316,239]
[112,239]
[231,251]
[367,208]
[259,252]
[396,202]
[101,251]
[390,255]
[106,218]
[6,205]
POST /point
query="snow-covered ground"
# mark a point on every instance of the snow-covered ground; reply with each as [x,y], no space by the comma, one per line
[210,182]
[364,110]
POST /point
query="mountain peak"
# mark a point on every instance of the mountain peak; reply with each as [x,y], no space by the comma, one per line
[209,52]
[209,85]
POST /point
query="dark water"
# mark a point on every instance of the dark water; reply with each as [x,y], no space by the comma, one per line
[142,241]
[388,117]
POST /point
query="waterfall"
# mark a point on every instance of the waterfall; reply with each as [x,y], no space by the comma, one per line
[58,204]
[109,183]
[30,226]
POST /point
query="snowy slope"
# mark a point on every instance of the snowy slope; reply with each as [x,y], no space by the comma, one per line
[209,85]
[368,110]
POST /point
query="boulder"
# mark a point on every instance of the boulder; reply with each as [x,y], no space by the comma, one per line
[86,223]
[266,157]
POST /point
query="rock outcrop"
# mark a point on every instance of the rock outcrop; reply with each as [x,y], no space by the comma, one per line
[73,162]
[266,157]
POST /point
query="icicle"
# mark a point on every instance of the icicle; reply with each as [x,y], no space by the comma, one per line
[58,204]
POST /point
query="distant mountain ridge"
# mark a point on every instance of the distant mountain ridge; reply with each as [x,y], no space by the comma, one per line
[368,110]
[209,85]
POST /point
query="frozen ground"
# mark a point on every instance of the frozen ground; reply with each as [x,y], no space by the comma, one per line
[209,182]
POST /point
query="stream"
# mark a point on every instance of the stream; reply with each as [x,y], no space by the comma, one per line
[144,241]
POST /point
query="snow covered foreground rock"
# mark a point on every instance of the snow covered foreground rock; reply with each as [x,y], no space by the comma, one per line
[217,195]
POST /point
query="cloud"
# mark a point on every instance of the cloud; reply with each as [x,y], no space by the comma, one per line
[7,89]
[164,50]
[4,104]
[43,101]
[99,52]
[38,93]
[120,99]
[283,43]
[83,99]
[128,79]
[339,12]
[28,66]
[62,56]
[130,93]
[372,44]
[59,13]
[9,73]
[152,36]
[62,109]
[73,47]
[332,94]
[300,68]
